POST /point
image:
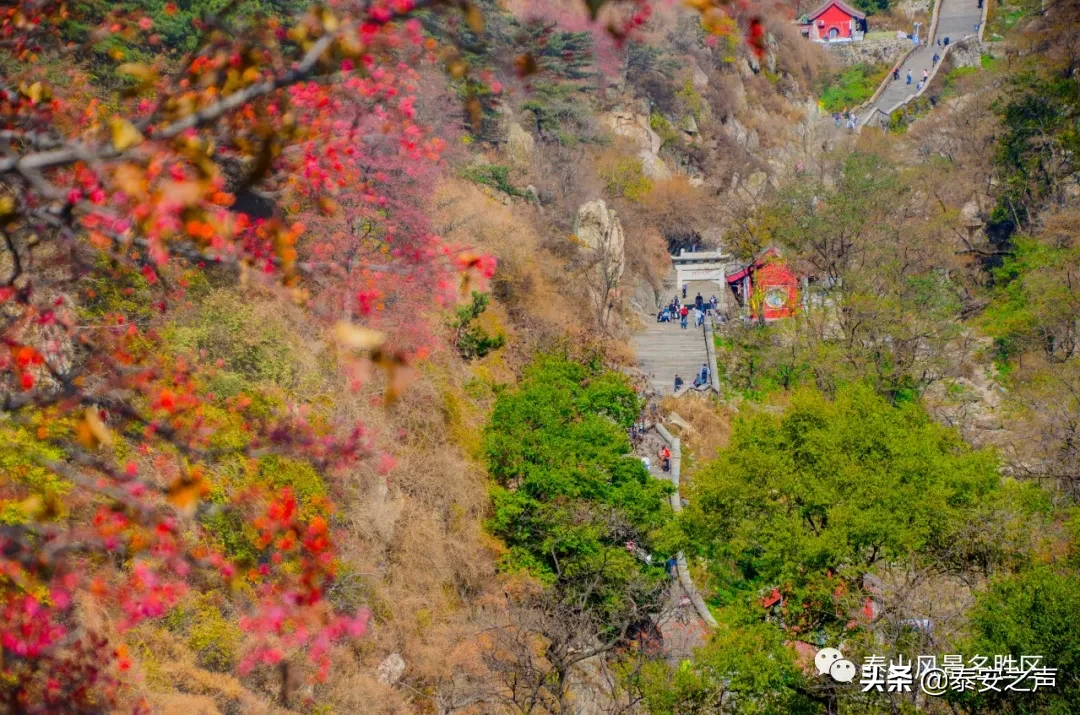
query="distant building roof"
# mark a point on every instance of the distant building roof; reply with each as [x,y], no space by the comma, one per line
[843,6]
[699,256]
[758,263]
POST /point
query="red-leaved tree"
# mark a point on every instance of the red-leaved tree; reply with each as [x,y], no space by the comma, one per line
[194,165]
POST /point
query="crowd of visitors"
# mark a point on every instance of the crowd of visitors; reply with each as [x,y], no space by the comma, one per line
[677,311]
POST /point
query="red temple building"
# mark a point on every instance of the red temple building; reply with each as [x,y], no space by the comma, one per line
[770,279]
[834,21]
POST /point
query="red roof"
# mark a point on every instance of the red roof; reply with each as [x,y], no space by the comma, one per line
[846,8]
[758,264]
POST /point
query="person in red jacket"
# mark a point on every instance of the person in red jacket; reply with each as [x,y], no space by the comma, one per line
[665,457]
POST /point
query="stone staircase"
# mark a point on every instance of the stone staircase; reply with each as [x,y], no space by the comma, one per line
[957,20]
[664,349]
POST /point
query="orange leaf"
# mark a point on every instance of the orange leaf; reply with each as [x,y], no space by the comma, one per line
[124,134]
[184,493]
[358,337]
[91,431]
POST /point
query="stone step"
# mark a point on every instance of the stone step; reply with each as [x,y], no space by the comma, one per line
[665,349]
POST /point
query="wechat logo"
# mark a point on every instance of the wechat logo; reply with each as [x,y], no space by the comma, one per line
[830,661]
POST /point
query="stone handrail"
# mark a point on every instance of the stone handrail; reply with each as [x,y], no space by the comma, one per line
[885,82]
[710,349]
[710,352]
[944,53]
[675,444]
[932,33]
[900,63]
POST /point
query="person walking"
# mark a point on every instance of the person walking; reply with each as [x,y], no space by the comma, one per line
[678,382]
[919,86]
[684,291]
[895,73]
[665,458]
[909,77]
[684,610]
[936,59]
[925,76]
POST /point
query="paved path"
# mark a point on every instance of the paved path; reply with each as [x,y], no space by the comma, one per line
[956,20]
[664,349]
[683,628]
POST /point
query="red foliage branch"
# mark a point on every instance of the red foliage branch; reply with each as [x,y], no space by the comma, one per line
[318,113]
[196,167]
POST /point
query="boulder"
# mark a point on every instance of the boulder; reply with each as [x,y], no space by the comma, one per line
[756,182]
[653,167]
[969,214]
[599,230]
[519,145]
[634,127]
[698,78]
[747,139]
[391,669]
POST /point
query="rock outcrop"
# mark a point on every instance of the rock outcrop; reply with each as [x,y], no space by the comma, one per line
[966,53]
[519,145]
[635,127]
[599,231]
[653,167]
[391,669]
[886,50]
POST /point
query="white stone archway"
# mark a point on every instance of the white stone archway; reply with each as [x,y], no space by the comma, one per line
[697,267]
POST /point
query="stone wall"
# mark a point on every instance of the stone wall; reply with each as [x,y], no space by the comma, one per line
[967,53]
[911,8]
[886,50]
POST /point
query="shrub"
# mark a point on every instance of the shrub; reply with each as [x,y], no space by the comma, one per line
[493,175]
[253,347]
[665,129]
[954,76]
[473,341]
[691,101]
[116,290]
[23,478]
[851,87]
[797,498]
[214,639]
[1036,612]
[625,177]
[272,473]
[568,492]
